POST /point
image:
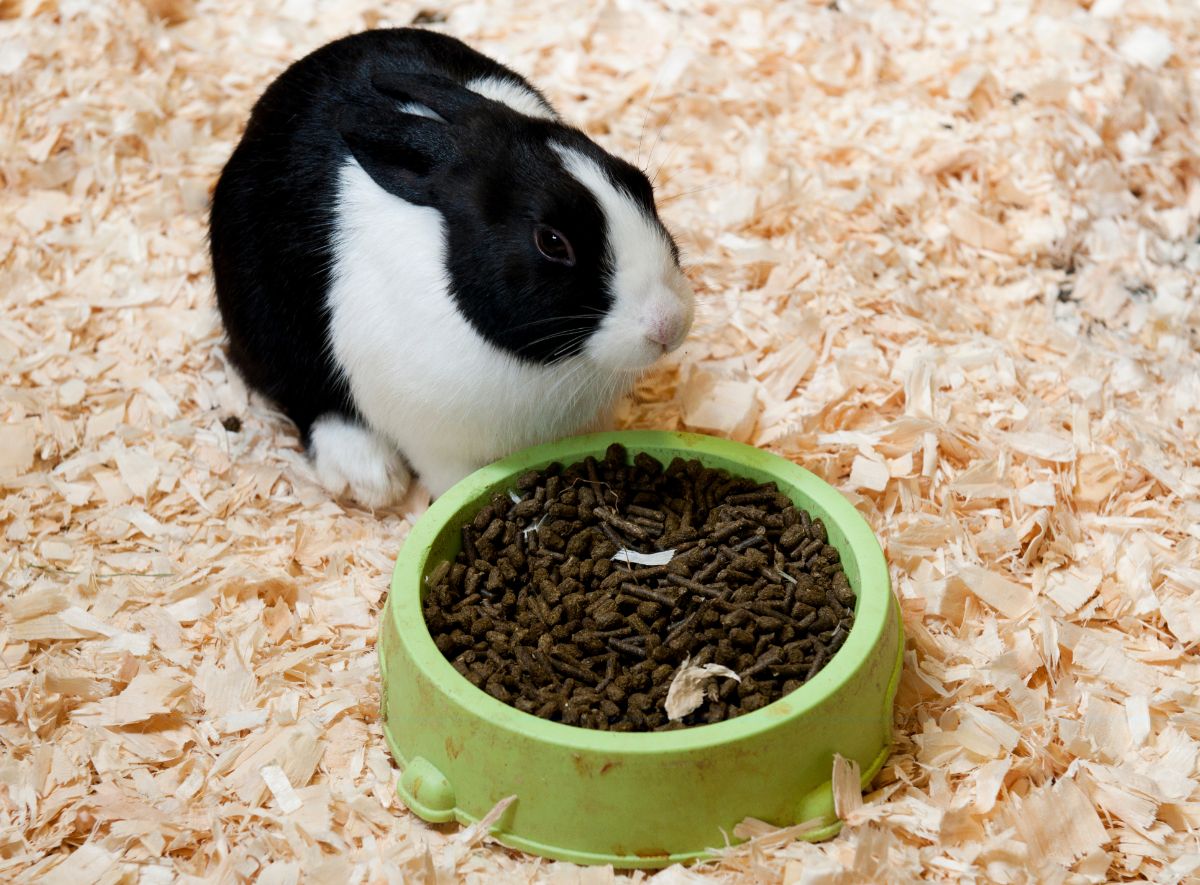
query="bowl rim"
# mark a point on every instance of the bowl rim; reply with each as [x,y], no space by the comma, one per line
[872,618]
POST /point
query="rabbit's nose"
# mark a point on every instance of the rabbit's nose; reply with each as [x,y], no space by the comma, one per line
[667,329]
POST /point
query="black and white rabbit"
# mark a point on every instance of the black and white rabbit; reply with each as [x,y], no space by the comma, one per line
[424,267]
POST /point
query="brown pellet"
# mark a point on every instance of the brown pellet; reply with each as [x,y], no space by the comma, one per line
[648,594]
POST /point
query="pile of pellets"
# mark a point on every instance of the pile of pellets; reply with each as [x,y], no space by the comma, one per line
[547,609]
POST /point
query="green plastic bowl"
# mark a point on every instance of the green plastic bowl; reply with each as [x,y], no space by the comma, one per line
[635,799]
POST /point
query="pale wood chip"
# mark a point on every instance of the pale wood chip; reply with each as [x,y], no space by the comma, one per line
[1059,823]
[1007,597]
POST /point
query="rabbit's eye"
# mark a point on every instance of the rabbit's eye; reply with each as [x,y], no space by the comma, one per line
[553,245]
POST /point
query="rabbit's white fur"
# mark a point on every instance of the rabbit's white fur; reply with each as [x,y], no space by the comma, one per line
[432,386]
[512,94]
[348,456]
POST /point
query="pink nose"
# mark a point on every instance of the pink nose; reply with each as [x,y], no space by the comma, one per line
[664,330]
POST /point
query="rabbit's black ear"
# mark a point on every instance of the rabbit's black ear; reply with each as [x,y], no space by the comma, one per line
[449,100]
[402,150]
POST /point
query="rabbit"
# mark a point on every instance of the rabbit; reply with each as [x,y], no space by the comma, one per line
[426,269]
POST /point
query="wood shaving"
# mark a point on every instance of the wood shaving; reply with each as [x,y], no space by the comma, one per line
[847,787]
[277,782]
[946,256]
[690,685]
[633,557]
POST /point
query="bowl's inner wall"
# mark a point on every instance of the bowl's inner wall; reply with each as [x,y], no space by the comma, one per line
[448,542]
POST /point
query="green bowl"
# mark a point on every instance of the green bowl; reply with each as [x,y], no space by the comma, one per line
[635,799]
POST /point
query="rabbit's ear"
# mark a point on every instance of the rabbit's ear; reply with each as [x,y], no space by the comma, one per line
[402,149]
[448,100]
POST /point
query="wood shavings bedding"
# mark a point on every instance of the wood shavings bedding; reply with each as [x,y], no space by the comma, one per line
[948,260]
